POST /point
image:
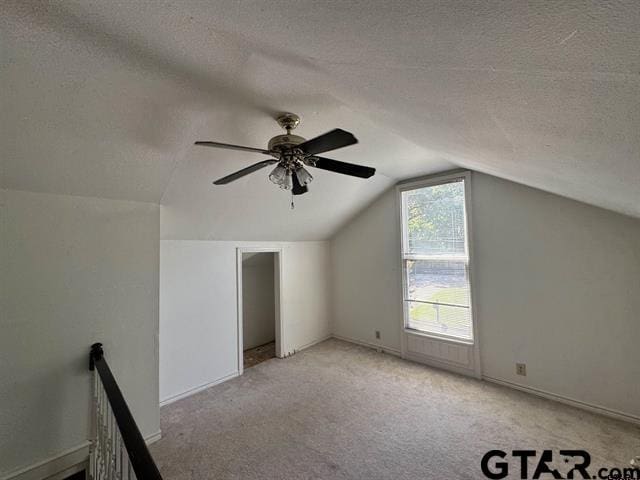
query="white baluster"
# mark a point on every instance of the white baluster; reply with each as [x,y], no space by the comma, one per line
[121,457]
[109,442]
[101,434]
[103,431]
[92,448]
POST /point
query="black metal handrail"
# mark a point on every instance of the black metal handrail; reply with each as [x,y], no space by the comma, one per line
[139,455]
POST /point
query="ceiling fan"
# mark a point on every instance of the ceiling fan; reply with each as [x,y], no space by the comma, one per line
[293,153]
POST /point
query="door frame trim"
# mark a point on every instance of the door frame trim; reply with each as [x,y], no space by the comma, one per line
[279,295]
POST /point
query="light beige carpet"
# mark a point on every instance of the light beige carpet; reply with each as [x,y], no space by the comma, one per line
[341,411]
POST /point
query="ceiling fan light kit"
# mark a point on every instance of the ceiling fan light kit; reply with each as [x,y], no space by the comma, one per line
[304,177]
[279,176]
[292,153]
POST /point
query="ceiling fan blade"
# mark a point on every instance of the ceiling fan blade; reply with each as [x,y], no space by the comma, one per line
[298,188]
[343,167]
[329,141]
[244,171]
[232,147]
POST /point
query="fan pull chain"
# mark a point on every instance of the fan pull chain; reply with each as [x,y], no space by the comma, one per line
[292,204]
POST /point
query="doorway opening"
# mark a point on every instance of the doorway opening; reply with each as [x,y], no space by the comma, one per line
[259,326]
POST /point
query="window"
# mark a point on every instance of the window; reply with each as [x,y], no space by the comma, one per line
[435,257]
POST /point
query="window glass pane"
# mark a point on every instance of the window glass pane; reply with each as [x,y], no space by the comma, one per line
[438,281]
[436,263]
[440,319]
[435,222]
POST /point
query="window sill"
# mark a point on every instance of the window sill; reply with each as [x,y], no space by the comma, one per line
[443,338]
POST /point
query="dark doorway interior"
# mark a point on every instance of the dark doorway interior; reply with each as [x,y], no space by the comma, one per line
[254,356]
[258,307]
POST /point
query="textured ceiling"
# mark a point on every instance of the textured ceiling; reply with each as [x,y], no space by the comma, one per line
[106,98]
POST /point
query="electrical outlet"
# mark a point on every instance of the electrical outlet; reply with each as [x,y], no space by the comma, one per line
[521,369]
[378,334]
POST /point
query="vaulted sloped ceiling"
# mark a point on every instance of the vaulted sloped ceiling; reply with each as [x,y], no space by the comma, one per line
[106,99]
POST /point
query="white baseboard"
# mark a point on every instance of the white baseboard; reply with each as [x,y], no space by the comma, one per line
[607,412]
[153,438]
[308,345]
[389,350]
[52,467]
[64,464]
[194,390]
[204,386]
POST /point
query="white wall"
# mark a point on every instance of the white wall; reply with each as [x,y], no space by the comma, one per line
[365,278]
[74,271]
[557,286]
[198,307]
[258,300]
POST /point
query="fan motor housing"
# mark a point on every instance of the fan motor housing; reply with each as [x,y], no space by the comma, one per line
[285,142]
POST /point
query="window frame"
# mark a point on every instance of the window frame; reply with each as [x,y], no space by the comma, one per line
[431,181]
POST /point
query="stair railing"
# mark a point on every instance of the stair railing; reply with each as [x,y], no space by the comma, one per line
[118,450]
